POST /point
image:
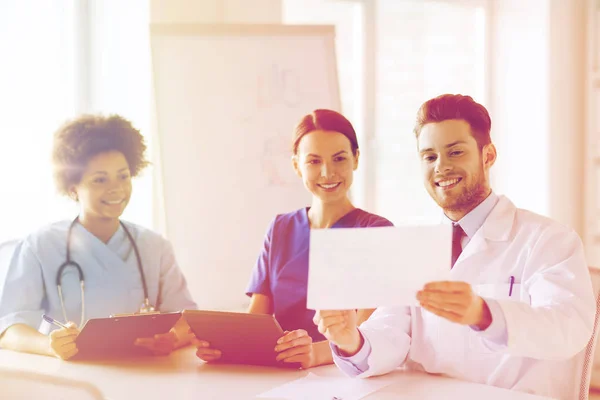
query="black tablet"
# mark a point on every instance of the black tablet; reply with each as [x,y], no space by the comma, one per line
[115,336]
[242,338]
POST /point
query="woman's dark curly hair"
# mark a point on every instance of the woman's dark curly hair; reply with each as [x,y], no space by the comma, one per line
[81,139]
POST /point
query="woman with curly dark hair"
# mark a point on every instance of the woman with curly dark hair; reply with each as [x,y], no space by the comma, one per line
[123,265]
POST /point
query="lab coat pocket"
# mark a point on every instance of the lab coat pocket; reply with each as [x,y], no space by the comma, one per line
[499,291]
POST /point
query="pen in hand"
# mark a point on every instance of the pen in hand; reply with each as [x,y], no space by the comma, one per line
[62,342]
[53,321]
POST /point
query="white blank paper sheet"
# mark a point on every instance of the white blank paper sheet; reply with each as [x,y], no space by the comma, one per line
[375,267]
[317,387]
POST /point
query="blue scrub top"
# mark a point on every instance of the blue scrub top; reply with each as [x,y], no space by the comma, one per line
[113,283]
[281,271]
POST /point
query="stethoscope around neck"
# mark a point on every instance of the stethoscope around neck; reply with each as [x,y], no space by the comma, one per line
[146,307]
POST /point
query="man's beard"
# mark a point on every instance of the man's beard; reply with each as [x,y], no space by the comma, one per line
[469,198]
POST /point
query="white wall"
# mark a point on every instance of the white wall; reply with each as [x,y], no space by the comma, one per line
[215,11]
[567,112]
[519,103]
[537,109]
[592,152]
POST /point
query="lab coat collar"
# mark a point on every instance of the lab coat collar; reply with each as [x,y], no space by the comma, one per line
[496,228]
[500,221]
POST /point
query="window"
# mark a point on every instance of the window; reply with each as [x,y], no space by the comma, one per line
[397,54]
[37,44]
[120,83]
[424,49]
[45,75]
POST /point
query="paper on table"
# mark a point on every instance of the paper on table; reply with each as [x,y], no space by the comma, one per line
[375,267]
[326,388]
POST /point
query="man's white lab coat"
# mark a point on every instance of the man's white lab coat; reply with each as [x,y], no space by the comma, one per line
[549,316]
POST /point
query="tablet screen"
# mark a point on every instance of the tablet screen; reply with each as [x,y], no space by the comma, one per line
[113,337]
[242,338]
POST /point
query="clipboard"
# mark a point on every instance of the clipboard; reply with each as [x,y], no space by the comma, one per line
[115,336]
[242,338]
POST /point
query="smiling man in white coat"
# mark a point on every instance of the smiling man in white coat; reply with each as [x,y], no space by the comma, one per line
[520,308]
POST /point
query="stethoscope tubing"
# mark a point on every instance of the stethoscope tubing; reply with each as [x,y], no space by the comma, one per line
[68,262]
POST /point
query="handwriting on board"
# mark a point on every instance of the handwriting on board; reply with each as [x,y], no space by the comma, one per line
[278,86]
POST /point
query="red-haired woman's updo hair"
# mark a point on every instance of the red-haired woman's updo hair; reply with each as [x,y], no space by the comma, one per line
[325,120]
